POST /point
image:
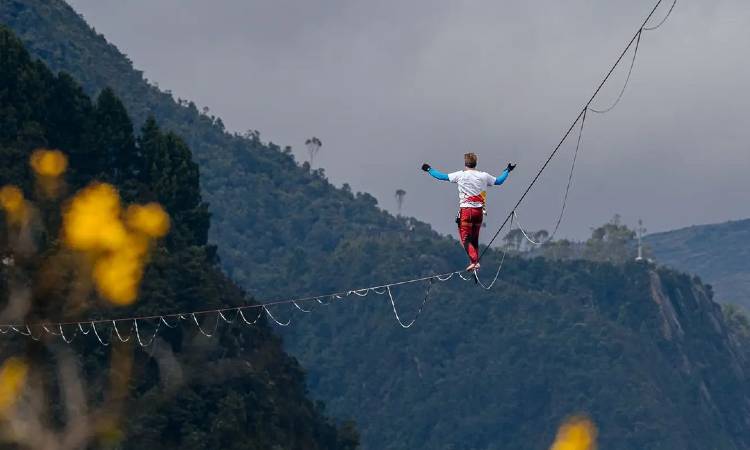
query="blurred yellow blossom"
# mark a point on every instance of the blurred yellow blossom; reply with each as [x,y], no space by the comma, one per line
[49,163]
[577,433]
[12,380]
[150,219]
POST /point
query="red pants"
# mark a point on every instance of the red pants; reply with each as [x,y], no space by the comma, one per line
[469,224]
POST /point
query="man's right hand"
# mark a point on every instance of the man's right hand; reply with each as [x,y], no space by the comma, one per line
[510,167]
[426,167]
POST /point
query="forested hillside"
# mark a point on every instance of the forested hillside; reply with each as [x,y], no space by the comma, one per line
[240,175]
[644,351]
[718,253]
[260,403]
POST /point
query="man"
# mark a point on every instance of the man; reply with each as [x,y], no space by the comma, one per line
[471,195]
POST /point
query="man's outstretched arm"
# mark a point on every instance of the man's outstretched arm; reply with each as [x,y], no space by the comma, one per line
[435,173]
[503,176]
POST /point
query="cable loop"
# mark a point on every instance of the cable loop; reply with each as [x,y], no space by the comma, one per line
[163,320]
[468,277]
[99,338]
[117,332]
[44,327]
[23,333]
[242,315]
[221,314]
[153,337]
[301,308]
[204,333]
[669,13]
[64,338]
[627,80]
[283,324]
[419,311]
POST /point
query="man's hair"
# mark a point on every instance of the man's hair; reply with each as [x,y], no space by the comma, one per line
[470,160]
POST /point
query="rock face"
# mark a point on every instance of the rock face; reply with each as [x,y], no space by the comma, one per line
[670,323]
[706,343]
[718,253]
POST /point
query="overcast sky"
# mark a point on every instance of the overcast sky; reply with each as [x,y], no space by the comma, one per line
[388,85]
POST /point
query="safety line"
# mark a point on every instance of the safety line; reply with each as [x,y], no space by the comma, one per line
[565,197]
[182,315]
[135,328]
[525,234]
[572,125]
[497,273]
[627,79]
[419,312]
[192,315]
[669,13]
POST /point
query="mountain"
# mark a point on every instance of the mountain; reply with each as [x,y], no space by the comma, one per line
[238,391]
[643,350]
[240,176]
[718,253]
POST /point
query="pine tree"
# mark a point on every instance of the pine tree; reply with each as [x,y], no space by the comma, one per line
[114,142]
[174,180]
[240,383]
[21,101]
[68,124]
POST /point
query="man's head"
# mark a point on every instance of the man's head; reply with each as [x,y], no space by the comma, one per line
[470,160]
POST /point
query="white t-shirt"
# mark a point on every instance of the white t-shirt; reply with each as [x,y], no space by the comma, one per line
[470,183]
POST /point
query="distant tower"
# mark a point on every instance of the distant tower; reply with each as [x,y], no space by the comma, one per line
[640,232]
[313,147]
[400,194]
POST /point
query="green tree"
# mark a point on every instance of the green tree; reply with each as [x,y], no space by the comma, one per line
[115,145]
[611,242]
[173,177]
[562,249]
[241,384]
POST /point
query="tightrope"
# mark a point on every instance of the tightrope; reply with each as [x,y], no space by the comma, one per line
[85,327]
[25,329]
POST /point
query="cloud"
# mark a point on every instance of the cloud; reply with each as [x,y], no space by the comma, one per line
[388,85]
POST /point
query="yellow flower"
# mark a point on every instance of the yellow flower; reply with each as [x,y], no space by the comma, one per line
[12,380]
[577,433]
[49,163]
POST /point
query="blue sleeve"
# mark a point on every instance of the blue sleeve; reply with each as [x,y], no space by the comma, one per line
[438,174]
[501,179]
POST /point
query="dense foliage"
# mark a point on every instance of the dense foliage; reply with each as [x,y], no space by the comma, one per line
[612,242]
[240,391]
[644,351]
[719,253]
[240,176]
